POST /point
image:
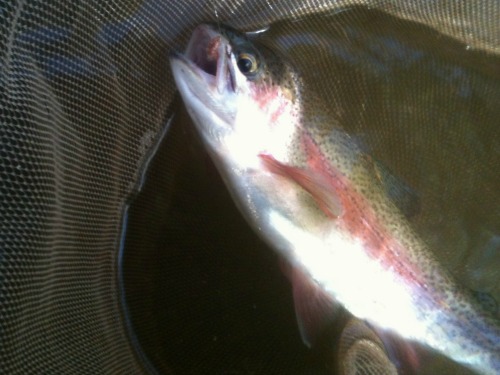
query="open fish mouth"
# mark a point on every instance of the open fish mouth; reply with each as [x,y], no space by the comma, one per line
[208,55]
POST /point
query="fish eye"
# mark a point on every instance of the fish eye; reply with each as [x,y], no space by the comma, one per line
[247,63]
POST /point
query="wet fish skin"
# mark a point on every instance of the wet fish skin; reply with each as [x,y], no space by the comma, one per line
[308,190]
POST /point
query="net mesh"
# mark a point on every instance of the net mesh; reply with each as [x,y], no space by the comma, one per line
[85,91]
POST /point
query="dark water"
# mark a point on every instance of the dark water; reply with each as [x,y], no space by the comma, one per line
[202,294]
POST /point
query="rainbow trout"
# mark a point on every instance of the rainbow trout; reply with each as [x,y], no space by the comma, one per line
[309,191]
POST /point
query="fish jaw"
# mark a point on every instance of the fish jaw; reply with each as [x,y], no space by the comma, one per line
[206,82]
[238,118]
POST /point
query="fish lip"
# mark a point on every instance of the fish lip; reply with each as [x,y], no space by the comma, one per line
[192,67]
[196,50]
[208,55]
[197,47]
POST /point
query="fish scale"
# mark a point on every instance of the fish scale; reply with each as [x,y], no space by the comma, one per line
[310,193]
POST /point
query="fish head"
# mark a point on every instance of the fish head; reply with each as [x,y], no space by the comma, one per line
[242,99]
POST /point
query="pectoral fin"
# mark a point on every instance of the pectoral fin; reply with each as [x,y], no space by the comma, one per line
[313,183]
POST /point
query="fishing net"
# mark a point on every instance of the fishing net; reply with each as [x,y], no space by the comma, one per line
[120,251]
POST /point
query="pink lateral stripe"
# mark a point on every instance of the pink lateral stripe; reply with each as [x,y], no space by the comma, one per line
[359,219]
